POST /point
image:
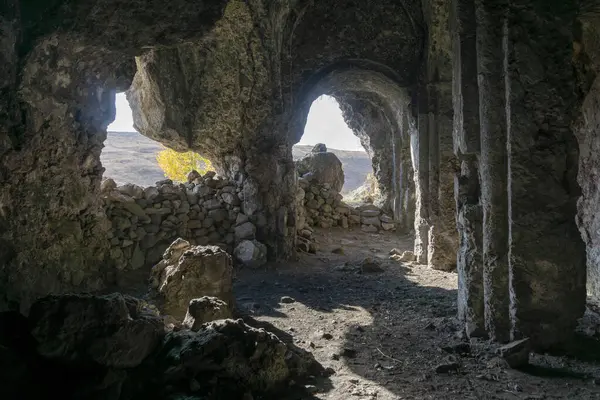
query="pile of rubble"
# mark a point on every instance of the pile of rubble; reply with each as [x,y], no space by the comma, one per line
[122,348]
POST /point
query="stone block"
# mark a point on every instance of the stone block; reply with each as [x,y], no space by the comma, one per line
[205,309]
[251,253]
[188,272]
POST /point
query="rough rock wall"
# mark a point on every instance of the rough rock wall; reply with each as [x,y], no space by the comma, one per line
[244,91]
[436,241]
[216,98]
[531,280]
[53,173]
[58,81]
[10,32]
[587,60]
[240,72]
[388,143]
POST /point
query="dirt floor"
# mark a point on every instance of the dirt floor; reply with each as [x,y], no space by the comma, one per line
[385,333]
[391,333]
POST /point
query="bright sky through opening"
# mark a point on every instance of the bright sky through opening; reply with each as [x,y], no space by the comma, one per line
[325,124]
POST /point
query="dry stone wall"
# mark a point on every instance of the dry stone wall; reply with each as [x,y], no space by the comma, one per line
[320,204]
[145,221]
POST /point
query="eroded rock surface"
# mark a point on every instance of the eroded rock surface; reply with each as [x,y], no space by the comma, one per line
[242,358]
[205,309]
[83,346]
[113,330]
[251,253]
[188,272]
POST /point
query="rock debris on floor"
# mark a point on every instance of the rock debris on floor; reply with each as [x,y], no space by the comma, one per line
[392,334]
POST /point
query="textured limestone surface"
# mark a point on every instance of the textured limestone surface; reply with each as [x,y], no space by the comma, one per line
[588,122]
[521,260]
[188,272]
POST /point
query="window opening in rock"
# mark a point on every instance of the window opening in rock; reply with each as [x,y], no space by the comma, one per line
[130,157]
[325,124]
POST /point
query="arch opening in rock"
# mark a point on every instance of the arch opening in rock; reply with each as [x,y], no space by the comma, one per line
[127,155]
[325,124]
[377,110]
[130,157]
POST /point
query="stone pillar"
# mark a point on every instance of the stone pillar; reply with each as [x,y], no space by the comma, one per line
[269,190]
[467,189]
[420,148]
[470,302]
[442,241]
[545,251]
[404,202]
[443,238]
[493,167]
[533,255]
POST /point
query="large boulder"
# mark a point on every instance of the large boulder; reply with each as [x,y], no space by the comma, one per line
[319,148]
[323,168]
[112,331]
[251,253]
[242,359]
[188,272]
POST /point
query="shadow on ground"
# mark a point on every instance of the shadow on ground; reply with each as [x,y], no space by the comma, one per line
[363,325]
[388,334]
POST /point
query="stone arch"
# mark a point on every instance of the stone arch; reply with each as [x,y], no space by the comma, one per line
[377,110]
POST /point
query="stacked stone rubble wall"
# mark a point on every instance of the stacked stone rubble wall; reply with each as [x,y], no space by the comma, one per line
[321,206]
[145,221]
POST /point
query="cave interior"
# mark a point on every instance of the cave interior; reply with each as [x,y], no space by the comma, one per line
[481,118]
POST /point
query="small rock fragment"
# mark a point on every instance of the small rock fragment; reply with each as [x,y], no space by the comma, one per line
[446,368]
[311,389]
[192,175]
[516,354]
[338,250]
[460,349]
[287,300]
[370,265]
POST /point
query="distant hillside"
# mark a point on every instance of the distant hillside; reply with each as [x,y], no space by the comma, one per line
[131,157]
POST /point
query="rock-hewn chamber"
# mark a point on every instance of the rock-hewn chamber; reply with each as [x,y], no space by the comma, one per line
[486,113]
